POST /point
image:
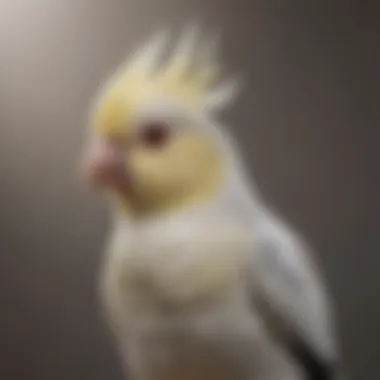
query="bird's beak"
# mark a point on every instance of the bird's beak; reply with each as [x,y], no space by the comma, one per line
[105,165]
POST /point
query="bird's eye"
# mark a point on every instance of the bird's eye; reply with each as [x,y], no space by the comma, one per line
[155,134]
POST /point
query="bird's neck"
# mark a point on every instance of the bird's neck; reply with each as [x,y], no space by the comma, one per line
[159,206]
[190,205]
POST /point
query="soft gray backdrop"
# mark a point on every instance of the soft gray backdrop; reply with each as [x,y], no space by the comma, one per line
[308,123]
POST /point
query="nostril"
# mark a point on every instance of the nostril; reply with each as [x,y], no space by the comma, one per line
[115,143]
[105,152]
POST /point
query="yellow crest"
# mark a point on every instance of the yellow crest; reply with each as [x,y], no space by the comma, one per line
[189,77]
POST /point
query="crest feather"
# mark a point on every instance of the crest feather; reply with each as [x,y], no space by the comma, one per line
[182,59]
[190,75]
[147,57]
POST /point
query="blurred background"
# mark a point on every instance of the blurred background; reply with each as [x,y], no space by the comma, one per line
[308,123]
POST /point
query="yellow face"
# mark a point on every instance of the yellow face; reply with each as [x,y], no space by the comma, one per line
[169,165]
[183,169]
[155,162]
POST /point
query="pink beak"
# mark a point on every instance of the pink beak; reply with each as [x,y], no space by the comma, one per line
[105,164]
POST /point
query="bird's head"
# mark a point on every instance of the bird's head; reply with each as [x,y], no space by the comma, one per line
[152,143]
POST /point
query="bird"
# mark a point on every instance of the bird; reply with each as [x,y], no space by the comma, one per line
[201,278]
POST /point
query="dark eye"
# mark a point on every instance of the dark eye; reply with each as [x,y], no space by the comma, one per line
[155,134]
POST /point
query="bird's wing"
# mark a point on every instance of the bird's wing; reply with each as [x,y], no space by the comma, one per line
[290,295]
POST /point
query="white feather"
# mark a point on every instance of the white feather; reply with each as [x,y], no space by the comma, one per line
[223,95]
[146,59]
[183,55]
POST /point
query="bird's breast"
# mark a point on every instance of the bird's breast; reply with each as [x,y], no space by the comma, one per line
[205,344]
[179,301]
[175,267]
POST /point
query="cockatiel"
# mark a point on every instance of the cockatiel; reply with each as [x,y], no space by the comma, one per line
[201,280]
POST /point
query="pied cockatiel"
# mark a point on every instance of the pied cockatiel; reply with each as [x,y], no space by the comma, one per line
[201,280]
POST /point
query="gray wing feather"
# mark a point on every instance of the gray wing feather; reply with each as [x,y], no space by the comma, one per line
[290,292]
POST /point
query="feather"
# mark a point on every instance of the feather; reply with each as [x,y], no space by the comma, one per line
[292,301]
[145,61]
[314,367]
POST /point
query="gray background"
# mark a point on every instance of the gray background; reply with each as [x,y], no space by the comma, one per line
[308,123]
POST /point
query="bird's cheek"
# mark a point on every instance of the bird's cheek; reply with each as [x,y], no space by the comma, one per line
[151,173]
